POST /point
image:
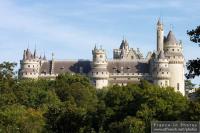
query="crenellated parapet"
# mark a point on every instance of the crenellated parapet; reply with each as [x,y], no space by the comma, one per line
[99,72]
[30,65]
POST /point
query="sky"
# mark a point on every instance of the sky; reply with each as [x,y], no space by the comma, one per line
[70,29]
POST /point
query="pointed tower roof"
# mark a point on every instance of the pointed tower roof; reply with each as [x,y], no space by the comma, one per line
[161,55]
[35,53]
[159,22]
[28,54]
[44,58]
[171,38]
[123,44]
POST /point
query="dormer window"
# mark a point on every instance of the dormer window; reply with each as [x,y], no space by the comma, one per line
[128,68]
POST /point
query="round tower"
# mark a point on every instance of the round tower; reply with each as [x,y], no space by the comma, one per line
[173,51]
[29,65]
[100,73]
[160,35]
[161,72]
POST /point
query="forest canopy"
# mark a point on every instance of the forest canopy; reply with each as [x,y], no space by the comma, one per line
[70,104]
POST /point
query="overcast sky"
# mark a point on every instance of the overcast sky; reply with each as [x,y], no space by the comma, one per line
[70,29]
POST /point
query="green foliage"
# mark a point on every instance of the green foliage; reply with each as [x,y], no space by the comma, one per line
[71,104]
[128,125]
[193,66]
[17,118]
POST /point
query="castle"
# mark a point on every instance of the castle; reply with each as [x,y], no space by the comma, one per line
[164,67]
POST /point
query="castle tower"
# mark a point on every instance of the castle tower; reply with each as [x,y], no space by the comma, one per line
[160,35]
[173,51]
[100,73]
[29,65]
[161,72]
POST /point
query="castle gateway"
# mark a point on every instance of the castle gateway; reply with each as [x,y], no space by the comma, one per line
[164,67]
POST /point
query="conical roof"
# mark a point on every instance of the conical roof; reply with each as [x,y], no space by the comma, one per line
[159,22]
[161,55]
[171,38]
[28,54]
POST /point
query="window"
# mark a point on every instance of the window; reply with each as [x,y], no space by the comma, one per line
[28,65]
[162,72]
[166,83]
[178,86]
[96,72]
[101,56]
[81,69]
[172,49]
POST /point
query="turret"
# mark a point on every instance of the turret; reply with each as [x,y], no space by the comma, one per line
[100,73]
[160,35]
[29,65]
[161,73]
[173,51]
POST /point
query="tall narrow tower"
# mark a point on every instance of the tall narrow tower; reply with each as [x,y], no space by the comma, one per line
[161,72]
[160,35]
[173,51]
[100,73]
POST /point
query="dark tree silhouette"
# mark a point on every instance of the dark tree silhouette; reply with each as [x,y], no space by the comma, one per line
[193,66]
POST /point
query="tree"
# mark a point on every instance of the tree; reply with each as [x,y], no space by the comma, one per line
[17,118]
[6,77]
[188,86]
[64,118]
[193,66]
[128,125]
[7,70]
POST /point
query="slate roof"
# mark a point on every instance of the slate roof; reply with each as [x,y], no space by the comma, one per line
[171,38]
[67,66]
[117,66]
[161,55]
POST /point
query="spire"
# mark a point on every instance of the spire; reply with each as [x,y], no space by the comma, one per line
[124,44]
[159,22]
[35,52]
[95,47]
[52,56]
[44,57]
[28,54]
[24,55]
